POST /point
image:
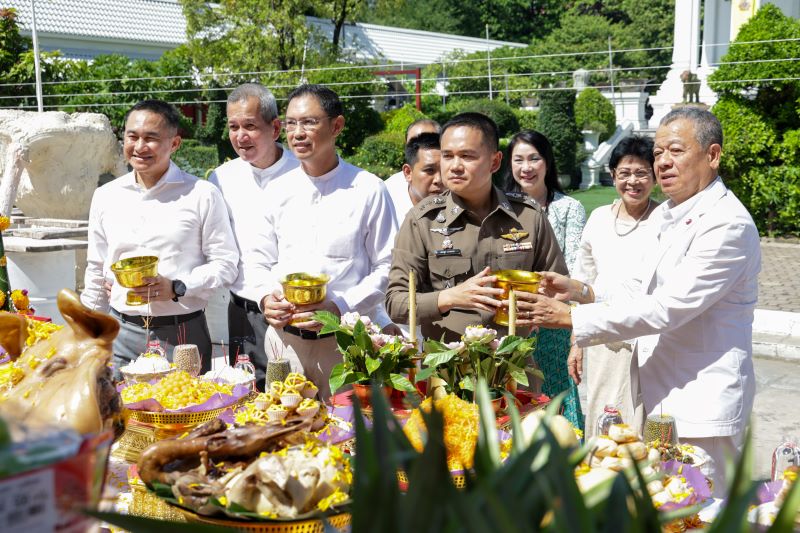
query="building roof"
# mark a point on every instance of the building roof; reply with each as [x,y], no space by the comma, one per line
[401,45]
[101,25]
[149,21]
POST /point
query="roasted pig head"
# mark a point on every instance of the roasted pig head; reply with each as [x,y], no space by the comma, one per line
[67,380]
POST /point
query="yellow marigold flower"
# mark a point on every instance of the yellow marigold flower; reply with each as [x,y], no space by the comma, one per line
[3,261]
[20,300]
[5,222]
[335,498]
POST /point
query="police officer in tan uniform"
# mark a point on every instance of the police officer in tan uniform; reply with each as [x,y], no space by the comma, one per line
[455,240]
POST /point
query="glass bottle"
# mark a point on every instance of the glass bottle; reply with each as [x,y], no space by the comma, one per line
[243,363]
[609,417]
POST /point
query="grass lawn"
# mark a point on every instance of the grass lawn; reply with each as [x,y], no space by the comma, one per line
[595,197]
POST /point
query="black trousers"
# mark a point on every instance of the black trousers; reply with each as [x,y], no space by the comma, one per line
[246,331]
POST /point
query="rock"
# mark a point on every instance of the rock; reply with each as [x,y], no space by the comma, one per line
[58,160]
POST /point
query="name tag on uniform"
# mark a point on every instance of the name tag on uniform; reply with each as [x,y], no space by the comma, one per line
[447,252]
[517,246]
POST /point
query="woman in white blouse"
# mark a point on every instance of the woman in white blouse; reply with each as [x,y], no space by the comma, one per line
[532,170]
[611,245]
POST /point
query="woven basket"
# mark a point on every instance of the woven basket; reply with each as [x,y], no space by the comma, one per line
[459,480]
[339,522]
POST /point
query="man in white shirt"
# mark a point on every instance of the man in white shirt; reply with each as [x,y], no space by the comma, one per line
[399,185]
[325,216]
[253,129]
[162,211]
[689,305]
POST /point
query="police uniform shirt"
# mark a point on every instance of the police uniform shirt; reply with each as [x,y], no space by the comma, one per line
[445,245]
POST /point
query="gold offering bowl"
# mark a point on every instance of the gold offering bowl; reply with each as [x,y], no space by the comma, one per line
[130,273]
[519,280]
[302,288]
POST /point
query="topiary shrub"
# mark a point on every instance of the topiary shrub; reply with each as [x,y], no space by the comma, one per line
[594,112]
[195,158]
[557,122]
[381,154]
[527,119]
[402,118]
[497,110]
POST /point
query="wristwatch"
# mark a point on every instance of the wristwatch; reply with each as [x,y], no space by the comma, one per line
[179,288]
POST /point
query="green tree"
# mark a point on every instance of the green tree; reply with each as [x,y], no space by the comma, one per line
[12,46]
[759,108]
[246,35]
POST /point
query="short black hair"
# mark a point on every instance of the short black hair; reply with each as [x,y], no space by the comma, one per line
[633,146]
[168,112]
[423,141]
[545,149]
[479,121]
[328,99]
[430,121]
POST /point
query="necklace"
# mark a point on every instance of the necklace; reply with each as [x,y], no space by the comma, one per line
[636,225]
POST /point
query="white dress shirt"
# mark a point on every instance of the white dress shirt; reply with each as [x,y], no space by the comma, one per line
[242,186]
[397,186]
[182,220]
[341,224]
[690,307]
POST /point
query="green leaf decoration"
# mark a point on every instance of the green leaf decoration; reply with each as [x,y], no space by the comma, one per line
[338,377]
[518,374]
[440,358]
[424,374]
[401,383]
[373,364]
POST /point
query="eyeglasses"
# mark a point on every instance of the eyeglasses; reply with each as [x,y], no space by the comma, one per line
[307,124]
[639,175]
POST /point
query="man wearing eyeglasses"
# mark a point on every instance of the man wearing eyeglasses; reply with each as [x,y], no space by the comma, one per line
[689,305]
[325,216]
[253,130]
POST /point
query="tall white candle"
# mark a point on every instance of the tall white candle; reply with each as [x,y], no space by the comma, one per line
[512,313]
[412,305]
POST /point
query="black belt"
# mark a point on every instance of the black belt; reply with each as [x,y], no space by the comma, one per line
[306,334]
[156,321]
[244,303]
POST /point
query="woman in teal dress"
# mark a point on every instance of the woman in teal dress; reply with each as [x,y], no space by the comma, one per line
[532,170]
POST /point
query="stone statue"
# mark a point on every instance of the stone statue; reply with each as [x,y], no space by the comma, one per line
[580,79]
[691,87]
[51,162]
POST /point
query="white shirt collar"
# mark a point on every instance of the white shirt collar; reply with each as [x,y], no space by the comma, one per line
[328,175]
[173,175]
[672,214]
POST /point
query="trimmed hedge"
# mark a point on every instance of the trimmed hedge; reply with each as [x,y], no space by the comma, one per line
[381,154]
[557,122]
[195,158]
[398,120]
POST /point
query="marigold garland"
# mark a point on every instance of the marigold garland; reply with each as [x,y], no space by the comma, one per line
[5,222]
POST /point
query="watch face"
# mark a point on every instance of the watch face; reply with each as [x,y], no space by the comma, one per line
[178,287]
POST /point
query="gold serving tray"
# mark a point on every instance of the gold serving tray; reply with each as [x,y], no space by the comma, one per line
[339,522]
[144,503]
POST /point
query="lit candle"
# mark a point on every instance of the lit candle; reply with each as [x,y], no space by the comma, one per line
[412,305]
[512,313]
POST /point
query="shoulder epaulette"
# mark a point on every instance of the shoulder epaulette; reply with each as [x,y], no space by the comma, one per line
[429,204]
